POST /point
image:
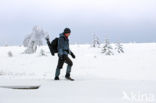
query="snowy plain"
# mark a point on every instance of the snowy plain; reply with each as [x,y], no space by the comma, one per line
[128,77]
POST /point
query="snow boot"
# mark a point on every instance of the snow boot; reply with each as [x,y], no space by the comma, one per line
[56,78]
[67,76]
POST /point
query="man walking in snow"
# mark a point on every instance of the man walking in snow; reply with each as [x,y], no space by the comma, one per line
[63,51]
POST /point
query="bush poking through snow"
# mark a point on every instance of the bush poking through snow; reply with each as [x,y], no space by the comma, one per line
[107,49]
[42,52]
[10,54]
[119,48]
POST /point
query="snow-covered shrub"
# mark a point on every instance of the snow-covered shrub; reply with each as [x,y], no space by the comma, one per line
[10,54]
[107,48]
[119,48]
[42,52]
[96,41]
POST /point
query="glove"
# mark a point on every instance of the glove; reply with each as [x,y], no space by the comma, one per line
[47,38]
[72,54]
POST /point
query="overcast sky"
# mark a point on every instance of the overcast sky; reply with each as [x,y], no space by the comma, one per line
[118,20]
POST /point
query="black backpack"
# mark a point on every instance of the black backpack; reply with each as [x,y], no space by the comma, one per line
[53,46]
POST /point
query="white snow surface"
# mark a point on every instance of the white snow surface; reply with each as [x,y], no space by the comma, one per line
[98,78]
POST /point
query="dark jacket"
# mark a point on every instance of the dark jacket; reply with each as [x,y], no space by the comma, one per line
[63,45]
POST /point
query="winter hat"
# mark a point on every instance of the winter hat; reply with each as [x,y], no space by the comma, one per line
[67,30]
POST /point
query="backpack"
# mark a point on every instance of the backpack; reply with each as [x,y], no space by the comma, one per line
[53,46]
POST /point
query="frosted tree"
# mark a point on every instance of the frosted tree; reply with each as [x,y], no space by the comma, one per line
[107,48]
[31,48]
[34,39]
[96,41]
[119,48]
[26,41]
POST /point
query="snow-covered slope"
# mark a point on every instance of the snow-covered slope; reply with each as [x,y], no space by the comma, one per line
[137,63]
[120,78]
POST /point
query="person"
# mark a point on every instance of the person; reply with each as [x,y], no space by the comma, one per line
[63,51]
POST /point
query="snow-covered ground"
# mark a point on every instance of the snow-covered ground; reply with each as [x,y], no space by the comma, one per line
[121,78]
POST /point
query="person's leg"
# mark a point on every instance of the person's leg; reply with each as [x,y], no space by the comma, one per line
[59,67]
[68,70]
[69,65]
[57,73]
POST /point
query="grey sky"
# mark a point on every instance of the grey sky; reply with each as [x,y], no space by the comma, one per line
[124,20]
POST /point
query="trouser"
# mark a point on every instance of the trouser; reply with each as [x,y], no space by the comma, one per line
[61,61]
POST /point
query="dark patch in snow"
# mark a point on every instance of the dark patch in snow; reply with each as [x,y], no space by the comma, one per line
[21,87]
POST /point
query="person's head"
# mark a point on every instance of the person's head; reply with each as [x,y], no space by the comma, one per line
[67,32]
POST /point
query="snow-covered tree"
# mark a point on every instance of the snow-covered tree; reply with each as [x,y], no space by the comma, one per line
[107,48]
[34,39]
[31,48]
[96,41]
[119,48]
[26,41]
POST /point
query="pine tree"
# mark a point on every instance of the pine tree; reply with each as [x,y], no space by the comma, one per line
[107,49]
[119,48]
[96,41]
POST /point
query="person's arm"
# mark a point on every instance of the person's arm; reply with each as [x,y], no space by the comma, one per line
[60,46]
[72,54]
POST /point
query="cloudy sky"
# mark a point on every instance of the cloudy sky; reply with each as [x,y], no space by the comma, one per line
[118,20]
